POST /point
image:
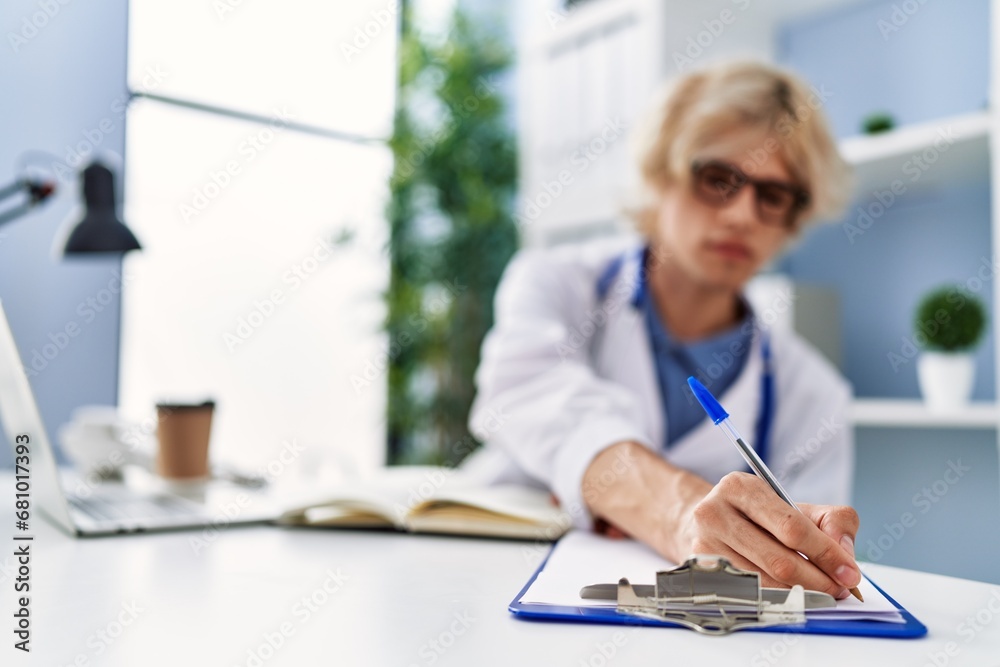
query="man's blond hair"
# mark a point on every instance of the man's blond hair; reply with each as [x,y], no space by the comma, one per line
[696,110]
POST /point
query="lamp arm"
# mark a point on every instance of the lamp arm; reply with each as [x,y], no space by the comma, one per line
[15,213]
[38,191]
[12,189]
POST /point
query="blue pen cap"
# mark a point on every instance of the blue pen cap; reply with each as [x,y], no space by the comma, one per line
[715,411]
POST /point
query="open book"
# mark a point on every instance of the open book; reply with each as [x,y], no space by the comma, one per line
[434,500]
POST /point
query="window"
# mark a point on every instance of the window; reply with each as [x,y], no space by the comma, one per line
[256,175]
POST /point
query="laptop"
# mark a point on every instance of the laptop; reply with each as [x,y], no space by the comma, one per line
[110,508]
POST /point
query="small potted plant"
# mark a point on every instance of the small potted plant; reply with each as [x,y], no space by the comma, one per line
[948,324]
[877,123]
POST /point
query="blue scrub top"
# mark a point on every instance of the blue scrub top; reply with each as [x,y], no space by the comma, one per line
[716,361]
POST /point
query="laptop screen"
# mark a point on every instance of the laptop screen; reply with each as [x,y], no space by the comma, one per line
[23,425]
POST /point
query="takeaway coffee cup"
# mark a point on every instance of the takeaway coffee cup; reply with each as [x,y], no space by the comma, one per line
[183,433]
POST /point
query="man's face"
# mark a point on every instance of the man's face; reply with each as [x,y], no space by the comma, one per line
[722,244]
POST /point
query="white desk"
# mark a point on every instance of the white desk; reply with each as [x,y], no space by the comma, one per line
[401,597]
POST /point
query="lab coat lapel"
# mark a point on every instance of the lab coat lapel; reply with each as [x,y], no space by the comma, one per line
[623,353]
[742,402]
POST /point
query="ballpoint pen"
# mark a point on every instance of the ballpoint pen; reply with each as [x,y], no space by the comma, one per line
[720,417]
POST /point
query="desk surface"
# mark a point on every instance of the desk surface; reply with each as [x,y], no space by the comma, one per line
[357,598]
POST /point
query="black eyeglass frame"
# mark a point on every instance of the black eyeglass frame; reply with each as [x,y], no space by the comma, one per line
[799,194]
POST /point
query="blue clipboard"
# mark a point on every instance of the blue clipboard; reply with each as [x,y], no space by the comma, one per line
[911,629]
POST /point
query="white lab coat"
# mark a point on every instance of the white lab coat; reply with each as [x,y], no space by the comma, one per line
[564,375]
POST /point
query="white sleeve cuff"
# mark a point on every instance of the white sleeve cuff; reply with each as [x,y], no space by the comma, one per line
[576,455]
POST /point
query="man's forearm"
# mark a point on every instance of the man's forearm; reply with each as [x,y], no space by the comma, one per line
[632,488]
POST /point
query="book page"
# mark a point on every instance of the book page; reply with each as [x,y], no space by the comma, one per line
[390,494]
[583,558]
[499,511]
[516,502]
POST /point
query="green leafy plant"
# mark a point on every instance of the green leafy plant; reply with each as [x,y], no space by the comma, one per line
[877,122]
[452,232]
[949,319]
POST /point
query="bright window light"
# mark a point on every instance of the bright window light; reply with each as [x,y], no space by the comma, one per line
[332,64]
[264,259]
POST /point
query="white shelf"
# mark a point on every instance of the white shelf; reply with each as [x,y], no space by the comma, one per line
[892,413]
[957,150]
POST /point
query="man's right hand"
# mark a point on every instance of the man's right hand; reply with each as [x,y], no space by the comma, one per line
[678,513]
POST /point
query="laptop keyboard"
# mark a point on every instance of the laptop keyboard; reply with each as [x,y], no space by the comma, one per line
[121,505]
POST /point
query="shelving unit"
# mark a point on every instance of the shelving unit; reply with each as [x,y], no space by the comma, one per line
[904,413]
[960,149]
[937,153]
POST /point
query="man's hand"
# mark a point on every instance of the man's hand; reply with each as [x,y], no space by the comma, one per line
[745,521]
[678,514]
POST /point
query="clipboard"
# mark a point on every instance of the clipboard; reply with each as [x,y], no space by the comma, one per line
[910,629]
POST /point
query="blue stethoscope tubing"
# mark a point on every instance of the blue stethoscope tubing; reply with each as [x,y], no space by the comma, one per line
[765,417]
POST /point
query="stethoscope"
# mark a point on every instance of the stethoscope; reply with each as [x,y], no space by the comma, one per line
[765,416]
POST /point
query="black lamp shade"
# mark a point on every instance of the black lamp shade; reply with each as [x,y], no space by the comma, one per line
[100,230]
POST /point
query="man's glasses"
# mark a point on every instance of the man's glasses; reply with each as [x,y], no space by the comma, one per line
[778,203]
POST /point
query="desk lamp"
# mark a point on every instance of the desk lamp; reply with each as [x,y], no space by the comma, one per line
[100,231]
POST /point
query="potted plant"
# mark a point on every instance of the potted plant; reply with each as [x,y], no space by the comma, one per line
[949,322]
[452,231]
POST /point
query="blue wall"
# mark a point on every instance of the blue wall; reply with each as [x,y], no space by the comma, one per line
[923,240]
[954,528]
[934,66]
[59,84]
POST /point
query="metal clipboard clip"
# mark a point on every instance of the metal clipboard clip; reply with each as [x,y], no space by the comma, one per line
[708,594]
